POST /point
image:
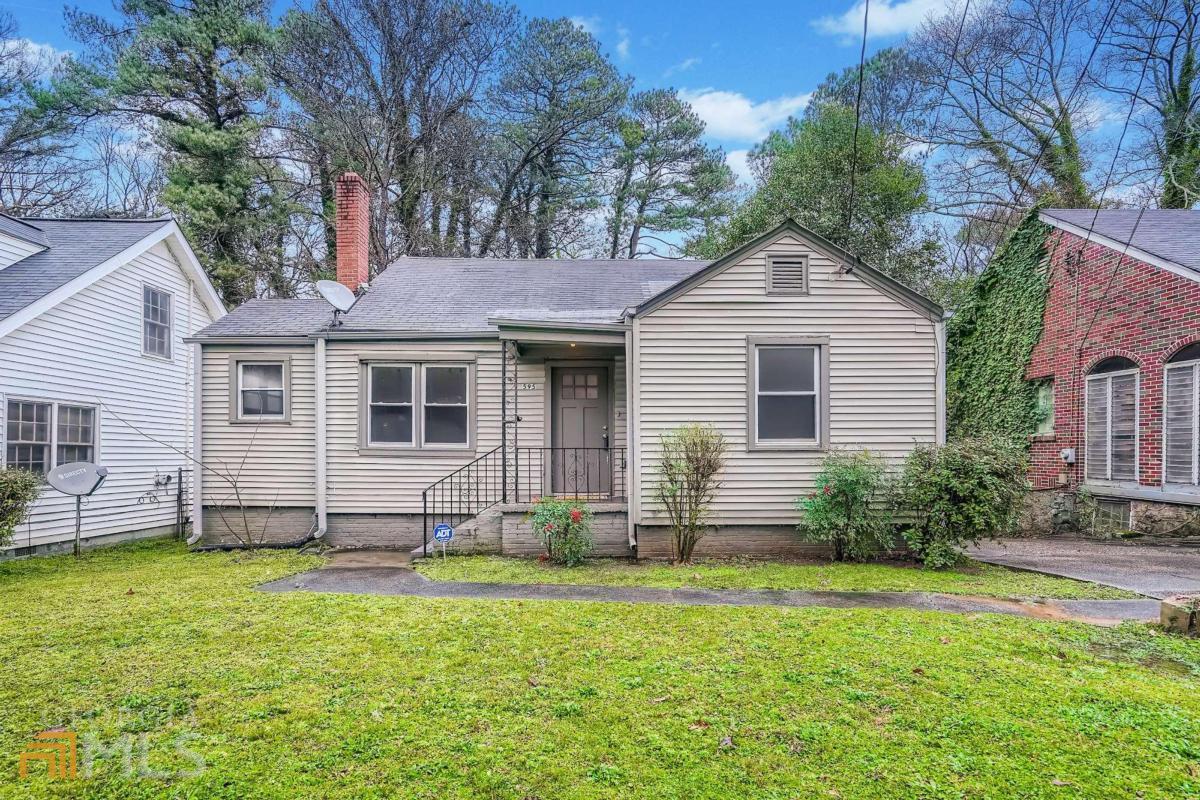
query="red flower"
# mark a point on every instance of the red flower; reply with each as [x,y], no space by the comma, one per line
[576,515]
[827,489]
[549,527]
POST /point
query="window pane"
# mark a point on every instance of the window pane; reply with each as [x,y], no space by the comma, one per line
[786,369]
[73,452]
[446,424]
[262,376]
[446,385]
[391,424]
[391,384]
[1180,424]
[33,457]
[262,402]
[787,417]
[28,422]
[156,322]
[1097,429]
[1045,407]
[1124,427]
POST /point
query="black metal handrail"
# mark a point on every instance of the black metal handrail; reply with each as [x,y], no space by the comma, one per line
[465,493]
[584,473]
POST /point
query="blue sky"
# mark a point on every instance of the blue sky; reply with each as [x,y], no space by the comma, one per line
[745,67]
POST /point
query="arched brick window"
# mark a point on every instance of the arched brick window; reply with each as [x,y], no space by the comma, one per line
[1181,417]
[1111,420]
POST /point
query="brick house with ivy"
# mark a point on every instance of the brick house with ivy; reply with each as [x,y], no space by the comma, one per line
[1116,369]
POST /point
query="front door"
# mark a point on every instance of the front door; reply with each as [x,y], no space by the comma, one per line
[581,463]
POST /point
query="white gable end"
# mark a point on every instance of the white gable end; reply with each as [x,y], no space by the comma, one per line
[13,249]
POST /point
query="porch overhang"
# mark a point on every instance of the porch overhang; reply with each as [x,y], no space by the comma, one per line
[560,332]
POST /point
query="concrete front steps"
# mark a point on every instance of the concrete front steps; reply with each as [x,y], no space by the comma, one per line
[504,530]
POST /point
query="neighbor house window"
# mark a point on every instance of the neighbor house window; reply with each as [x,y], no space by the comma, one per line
[446,408]
[1111,420]
[390,404]
[1181,417]
[786,393]
[261,390]
[1045,408]
[417,405]
[42,435]
[76,434]
[28,436]
[156,322]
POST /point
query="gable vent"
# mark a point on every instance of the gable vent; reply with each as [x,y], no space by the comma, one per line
[787,275]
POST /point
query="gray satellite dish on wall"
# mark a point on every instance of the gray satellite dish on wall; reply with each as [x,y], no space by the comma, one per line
[79,479]
[338,296]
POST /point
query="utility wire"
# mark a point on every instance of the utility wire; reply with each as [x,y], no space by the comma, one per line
[862,60]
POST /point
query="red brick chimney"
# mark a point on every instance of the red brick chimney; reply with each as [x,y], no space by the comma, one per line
[353,230]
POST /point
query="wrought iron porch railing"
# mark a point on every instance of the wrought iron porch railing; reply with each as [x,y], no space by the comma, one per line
[585,473]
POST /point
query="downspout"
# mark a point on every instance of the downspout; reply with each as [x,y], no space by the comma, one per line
[633,417]
[197,444]
[939,335]
[322,515]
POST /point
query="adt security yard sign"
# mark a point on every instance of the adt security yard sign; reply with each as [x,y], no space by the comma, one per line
[443,533]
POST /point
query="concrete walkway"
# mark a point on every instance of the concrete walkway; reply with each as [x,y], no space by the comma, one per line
[398,580]
[1155,570]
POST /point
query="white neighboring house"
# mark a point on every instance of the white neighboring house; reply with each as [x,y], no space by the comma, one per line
[93,314]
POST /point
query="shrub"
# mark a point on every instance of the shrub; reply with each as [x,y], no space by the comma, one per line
[961,492]
[18,489]
[689,464]
[845,508]
[564,527]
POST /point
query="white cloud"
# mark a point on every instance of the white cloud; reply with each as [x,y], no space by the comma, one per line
[739,162]
[587,24]
[43,57]
[731,116]
[682,66]
[623,43]
[887,18]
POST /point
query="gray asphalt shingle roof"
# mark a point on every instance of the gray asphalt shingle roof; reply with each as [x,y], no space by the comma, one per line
[455,295]
[73,246]
[1170,234]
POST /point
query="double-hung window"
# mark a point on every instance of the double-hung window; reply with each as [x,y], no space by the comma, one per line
[156,322]
[40,435]
[262,391]
[418,405]
[1181,417]
[787,393]
[1112,420]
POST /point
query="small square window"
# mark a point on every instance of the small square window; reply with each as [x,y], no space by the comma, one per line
[262,390]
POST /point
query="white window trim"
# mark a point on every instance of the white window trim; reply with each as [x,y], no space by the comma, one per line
[370,403]
[54,404]
[241,416]
[170,355]
[820,345]
[1137,425]
[425,403]
[1195,367]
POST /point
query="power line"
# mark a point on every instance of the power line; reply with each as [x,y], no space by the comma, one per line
[862,60]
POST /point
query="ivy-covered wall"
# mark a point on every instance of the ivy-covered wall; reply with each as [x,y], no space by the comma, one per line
[991,336]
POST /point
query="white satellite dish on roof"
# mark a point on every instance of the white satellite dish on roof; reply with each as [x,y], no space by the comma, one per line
[338,296]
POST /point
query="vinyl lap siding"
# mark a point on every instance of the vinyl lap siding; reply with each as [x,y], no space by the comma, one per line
[274,464]
[88,350]
[692,365]
[13,250]
[374,482]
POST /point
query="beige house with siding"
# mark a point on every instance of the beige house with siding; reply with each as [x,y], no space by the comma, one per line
[458,390]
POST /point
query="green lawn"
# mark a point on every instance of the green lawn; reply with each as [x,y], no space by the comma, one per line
[982,580]
[336,696]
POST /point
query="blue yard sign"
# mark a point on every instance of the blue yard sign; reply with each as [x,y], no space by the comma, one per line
[442,532]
